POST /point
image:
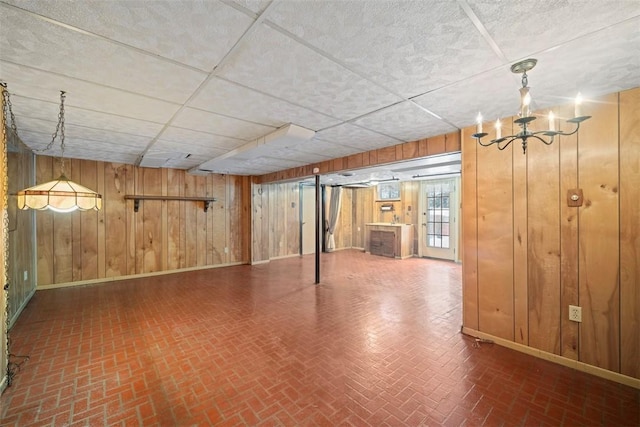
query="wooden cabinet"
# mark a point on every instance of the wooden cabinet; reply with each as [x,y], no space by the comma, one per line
[383,243]
[390,240]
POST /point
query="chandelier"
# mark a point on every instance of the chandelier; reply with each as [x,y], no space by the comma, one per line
[526,118]
[62,194]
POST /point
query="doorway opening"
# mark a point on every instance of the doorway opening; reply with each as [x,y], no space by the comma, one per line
[439,230]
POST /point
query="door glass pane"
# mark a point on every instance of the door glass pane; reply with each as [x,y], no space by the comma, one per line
[438,200]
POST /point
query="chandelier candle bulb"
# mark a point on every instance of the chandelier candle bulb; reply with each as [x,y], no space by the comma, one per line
[552,121]
[498,129]
[525,100]
[479,121]
[578,109]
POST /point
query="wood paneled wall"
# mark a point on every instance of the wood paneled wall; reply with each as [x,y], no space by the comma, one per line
[275,221]
[448,143]
[366,209]
[161,236]
[528,255]
[22,274]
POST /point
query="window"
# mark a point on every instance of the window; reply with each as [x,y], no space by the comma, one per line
[389,191]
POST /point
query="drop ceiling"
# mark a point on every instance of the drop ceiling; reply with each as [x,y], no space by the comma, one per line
[182,83]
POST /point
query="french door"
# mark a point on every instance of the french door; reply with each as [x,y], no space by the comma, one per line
[439,219]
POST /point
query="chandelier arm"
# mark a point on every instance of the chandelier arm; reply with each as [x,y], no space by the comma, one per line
[542,139]
[570,133]
[487,144]
[509,139]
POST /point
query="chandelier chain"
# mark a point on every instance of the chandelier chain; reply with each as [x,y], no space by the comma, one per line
[8,107]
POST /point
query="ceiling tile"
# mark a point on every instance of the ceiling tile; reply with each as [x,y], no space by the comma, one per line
[523,28]
[356,137]
[28,40]
[222,97]
[220,125]
[30,83]
[318,146]
[273,164]
[494,94]
[272,63]
[256,6]
[408,46]
[299,155]
[186,136]
[208,152]
[405,121]
[563,72]
[26,109]
[191,32]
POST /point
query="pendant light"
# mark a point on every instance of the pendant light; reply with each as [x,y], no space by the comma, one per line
[62,194]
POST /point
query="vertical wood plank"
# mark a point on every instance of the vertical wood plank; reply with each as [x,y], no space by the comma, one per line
[630,232]
[452,142]
[520,241]
[599,235]
[164,218]
[191,224]
[152,237]
[219,213]
[115,215]
[201,220]
[175,226]
[140,238]
[469,230]
[293,218]
[62,236]
[544,246]
[73,172]
[436,145]
[235,218]
[101,245]
[568,239]
[236,231]
[260,217]
[244,230]
[495,240]
[88,223]
[131,218]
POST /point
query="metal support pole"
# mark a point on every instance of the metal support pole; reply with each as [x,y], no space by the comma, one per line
[318,234]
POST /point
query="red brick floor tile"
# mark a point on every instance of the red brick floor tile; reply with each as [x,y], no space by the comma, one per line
[376,344]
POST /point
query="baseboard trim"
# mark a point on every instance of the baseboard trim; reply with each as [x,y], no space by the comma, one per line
[22,306]
[561,360]
[284,256]
[131,276]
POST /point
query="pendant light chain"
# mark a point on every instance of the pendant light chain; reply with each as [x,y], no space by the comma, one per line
[12,366]
[6,105]
[59,129]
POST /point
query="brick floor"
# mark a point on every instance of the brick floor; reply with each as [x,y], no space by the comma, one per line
[377,343]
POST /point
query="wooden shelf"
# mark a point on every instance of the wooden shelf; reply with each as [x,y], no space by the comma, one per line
[136,200]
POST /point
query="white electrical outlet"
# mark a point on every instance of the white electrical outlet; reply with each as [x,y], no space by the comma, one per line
[226,250]
[25,275]
[575,313]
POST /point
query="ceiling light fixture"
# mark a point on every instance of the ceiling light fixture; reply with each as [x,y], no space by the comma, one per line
[62,194]
[526,118]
